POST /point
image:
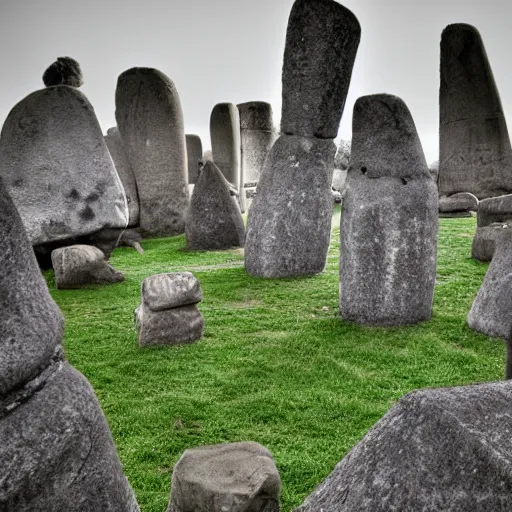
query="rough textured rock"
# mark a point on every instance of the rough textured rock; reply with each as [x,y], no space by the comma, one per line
[474,146]
[124,170]
[437,449]
[461,202]
[390,219]
[57,168]
[321,45]
[484,241]
[496,209]
[150,120]
[214,220]
[490,312]
[166,291]
[194,156]
[289,223]
[239,477]
[79,265]
[64,71]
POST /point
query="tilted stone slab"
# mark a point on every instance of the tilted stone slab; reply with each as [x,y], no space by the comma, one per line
[194,156]
[165,291]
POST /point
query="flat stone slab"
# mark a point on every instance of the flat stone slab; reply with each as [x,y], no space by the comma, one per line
[494,209]
[461,202]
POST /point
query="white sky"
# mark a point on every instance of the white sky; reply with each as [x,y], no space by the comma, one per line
[232,50]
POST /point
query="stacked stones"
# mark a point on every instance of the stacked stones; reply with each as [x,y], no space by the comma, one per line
[168,313]
[56,451]
[150,120]
[289,222]
[194,157]
[390,219]
[474,146]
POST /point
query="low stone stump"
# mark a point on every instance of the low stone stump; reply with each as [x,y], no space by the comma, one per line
[79,265]
[458,205]
[168,314]
[484,241]
[234,477]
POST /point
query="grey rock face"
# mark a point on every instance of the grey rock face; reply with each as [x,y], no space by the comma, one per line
[214,220]
[461,202]
[437,449]
[79,265]
[321,45]
[474,146]
[150,120]
[194,156]
[490,312]
[496,209]
[166,291]
[339,179]
[434,171]
[485,239]
[289,224]
[390,220]
[239,477]
[124,170]
[64,71]
[57,168]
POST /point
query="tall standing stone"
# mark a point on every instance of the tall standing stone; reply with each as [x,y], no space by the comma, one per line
[57,168]
[289,223]
[390,219]
[194,156]
[150,120]
[475,154]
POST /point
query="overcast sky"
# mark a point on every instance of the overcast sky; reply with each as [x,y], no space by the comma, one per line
[232,50]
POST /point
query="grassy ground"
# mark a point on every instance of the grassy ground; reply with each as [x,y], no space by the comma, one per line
[276,365]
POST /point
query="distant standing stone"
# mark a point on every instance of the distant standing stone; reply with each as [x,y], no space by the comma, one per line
[474,145]
[194,156]
[150,120]
[64,71]
[390,219]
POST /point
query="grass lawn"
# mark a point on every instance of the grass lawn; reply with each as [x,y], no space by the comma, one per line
[276,365]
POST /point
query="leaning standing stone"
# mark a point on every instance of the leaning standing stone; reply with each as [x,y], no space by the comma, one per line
[194,156]
[390,219]
[150,120]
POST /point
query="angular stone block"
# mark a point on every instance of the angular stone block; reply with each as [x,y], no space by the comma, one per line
[194,156]
[461,202]
[165,291]
[234,477]
[485,239]
[64,71]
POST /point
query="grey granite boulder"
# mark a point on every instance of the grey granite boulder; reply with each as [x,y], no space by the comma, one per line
[321,45]
[490,311]
[475,154]
[390,219]
[64,71]
[234,477]
[443,450]
[460,204]
[79,265]
[167,291]
[124,170]
[289,223]
[485,239]
[57,168]
[150,120]
[214,220]
[194,156]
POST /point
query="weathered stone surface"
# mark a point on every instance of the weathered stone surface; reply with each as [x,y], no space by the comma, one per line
[434,170]
[339,179]
[321,45]
[390,219]
[194,156]
[239,477]
[495,209]
[165,291]
[490,312]
[214,220]
[64,71]
[474,146]
[150,120]
[57,453]
[79,265]
[31,324]
[437,449]
[461,202]
[124,170]
[289,223]
[484,241]
[57,168]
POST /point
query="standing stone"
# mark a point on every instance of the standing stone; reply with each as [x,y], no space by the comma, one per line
[234,477]
[474,146]
[57,168]
[390,219]
[214,221]
[56,451]
[124,170]
[194,157]
[150,120]
[64,71]
[437,449]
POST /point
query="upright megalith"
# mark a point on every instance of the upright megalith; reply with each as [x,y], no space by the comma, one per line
[289,223]
[475,154]
[150,120]
[57,168]
[64,71]
[214,221]
[390,219]
[194,156]
[56,451]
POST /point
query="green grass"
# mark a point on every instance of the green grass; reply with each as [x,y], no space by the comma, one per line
[276,365]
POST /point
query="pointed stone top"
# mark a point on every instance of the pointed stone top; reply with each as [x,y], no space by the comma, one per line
[64,71]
